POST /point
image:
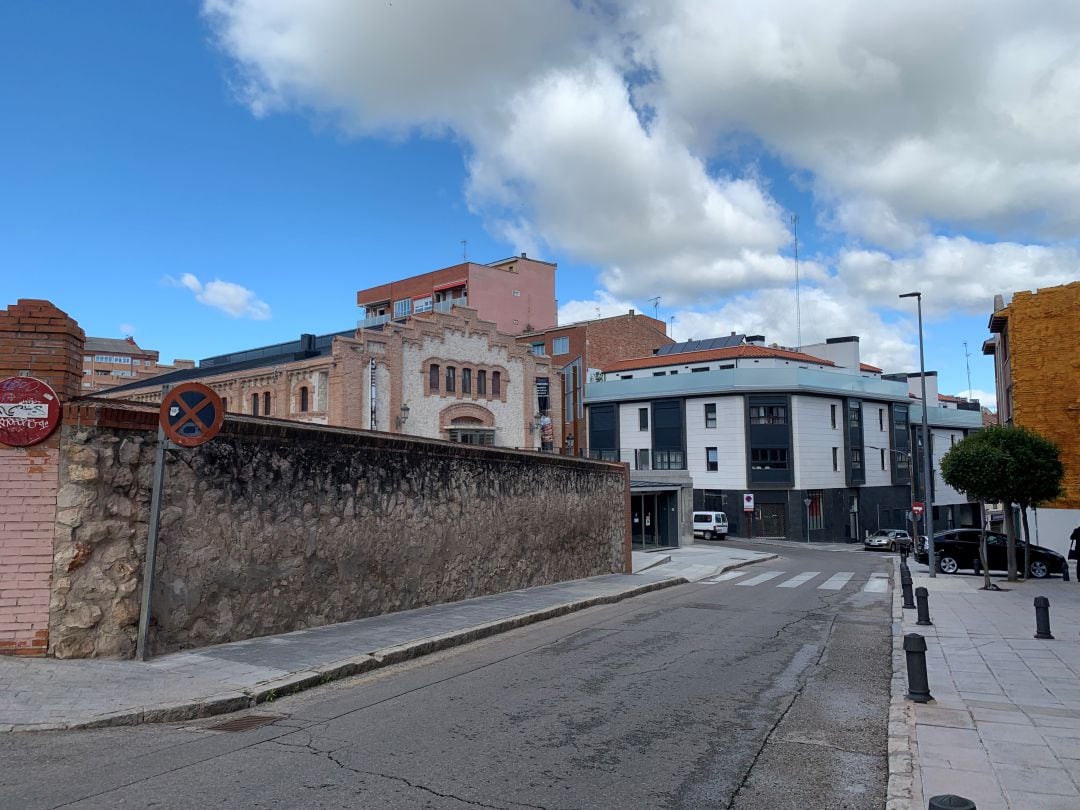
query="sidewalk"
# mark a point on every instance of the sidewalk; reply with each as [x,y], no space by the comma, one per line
[779,541]
[1003,729]
[698,561]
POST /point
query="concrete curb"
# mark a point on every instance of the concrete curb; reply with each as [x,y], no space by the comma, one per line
[268,691]
[905,781]
[745,563]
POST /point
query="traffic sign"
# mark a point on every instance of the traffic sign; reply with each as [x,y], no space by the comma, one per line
[748,502]
[917,507]
[191,414]
[29,411]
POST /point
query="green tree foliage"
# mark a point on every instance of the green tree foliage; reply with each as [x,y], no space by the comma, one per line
[1011,465]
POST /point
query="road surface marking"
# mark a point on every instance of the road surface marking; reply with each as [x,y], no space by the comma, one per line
[724,577]
[876,585]
[760,578]
[836,581]
[798,580]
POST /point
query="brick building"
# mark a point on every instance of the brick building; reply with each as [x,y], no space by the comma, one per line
[109,362]
[36,340]
[516,294]
[579,350]
[1035,345]
[439,375]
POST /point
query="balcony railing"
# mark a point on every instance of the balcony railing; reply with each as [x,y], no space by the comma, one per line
[446,306]
[644,459]
[374,320]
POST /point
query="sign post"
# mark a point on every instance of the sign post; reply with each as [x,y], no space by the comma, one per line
[748,510]
[190,415]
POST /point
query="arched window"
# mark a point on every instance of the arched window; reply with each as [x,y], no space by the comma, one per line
[481,383]
[303,399]
[451,379]
[433,378]
[225,404]
[266,404]
[496,384]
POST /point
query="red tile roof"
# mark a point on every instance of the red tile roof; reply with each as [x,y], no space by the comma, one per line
[732,353]
[868,367]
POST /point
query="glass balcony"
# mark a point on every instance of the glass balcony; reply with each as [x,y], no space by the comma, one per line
[644,459]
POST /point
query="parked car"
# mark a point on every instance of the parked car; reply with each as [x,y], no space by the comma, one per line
[892,539]
[710,525]
[957,549]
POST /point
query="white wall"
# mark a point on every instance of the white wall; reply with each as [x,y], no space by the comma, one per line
[943,442]
[728,437]
[1055,526]
[874,437]
[813,438]
[631,437]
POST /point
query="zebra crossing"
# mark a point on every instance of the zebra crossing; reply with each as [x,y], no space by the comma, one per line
[877,583]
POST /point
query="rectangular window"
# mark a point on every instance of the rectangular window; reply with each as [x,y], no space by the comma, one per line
[451,379]
[659,373]
[254,404]
[481,383]
[466,381]
[538,348]
[836,459]
[814,511]
[769,458]
[433,378]
[881,421]
[768,414]
[832,413]
[626,376]
[710,414]
[712,459]
[883,458]
[643,418]
[856,458]
[402,308]
[136,362]
[496,384]
[422,304]
[303,399]
[266,404]
[560,345]
[225,404]
[699,368]
[855,413]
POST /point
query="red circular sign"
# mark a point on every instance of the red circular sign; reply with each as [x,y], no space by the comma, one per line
[191,414]
[29,411]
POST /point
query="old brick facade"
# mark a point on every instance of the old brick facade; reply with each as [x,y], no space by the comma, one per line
[37,340]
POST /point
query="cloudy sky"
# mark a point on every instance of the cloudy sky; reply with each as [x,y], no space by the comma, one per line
[222,175]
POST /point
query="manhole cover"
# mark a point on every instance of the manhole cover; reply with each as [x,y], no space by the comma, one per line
[245,723]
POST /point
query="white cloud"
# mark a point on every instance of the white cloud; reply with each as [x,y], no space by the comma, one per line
[127,329]
[603,305]
[230,298]
[988,399]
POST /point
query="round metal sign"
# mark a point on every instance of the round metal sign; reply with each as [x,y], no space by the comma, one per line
[191,414]
[29,411]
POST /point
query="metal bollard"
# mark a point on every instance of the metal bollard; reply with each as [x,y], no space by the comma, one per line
[915,652]
[1042,618]
[1065,572]
[905,587]
[950,802]
[922,597]
[977,565]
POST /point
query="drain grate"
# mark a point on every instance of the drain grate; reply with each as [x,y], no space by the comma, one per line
[245,723]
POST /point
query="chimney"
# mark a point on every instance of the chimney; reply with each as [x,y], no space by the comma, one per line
[524,255]
[631,313]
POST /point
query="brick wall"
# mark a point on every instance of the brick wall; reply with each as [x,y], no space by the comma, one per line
[37,340]
[1044,350]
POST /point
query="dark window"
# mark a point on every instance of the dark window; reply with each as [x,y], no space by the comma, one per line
[832,411]
[710,414]
[225,403]
[700,368]
[451,379]
[835,459]
[303,399]
[856,458]
[626,376]
[481,383]
[643,418]
[883,458]
[814,511]
[659,373]
[712,459]
[466,381]
[769,458]
[254,404]
[496,384]
[881,420]
[855,413]
[433,377]
[266,404]
[768,414]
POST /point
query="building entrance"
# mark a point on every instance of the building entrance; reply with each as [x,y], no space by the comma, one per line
[772,520]
[654,520]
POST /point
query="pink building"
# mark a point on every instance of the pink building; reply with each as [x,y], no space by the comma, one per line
[516,294]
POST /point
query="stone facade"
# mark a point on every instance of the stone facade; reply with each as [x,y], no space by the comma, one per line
[275,526]
[37,340]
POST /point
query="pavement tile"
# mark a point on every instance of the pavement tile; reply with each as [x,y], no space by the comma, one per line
[961,759]
[1007,752]
[1027,779]
[1035,801]
[981,788]
[1063,747]
[939,716]
[1010,715]
[1010,732]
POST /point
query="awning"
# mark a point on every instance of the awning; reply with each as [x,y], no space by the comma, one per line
[450,285]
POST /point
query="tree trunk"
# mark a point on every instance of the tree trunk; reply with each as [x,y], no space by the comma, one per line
[1027,541]
[1010,542]
[982,546]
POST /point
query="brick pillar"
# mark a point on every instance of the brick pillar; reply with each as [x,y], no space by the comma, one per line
[36,340]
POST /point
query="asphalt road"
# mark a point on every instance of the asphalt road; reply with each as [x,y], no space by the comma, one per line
[707,695]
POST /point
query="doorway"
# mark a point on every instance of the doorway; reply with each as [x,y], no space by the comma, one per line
[654,520]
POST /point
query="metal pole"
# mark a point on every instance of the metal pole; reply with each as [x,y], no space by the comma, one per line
[928,489]
[151,545]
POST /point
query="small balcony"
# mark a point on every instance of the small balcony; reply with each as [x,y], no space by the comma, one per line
[644,459]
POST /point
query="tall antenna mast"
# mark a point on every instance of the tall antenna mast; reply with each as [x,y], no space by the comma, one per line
[655,301]
[798,299]
[464,250]
[967,363]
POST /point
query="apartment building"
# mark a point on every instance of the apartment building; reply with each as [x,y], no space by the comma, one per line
[109,362]
[516,294]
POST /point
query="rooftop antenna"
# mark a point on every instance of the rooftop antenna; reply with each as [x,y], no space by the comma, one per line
[967,363]
[464,250]
[671,325]
[655,301]
[798,301]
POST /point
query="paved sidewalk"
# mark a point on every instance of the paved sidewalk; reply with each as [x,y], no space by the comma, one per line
[699,561]
[1004,727]
[40,694]
[779,541]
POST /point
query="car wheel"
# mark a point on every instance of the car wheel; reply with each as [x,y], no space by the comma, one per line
[948,565]
[1039,569]
[712,536]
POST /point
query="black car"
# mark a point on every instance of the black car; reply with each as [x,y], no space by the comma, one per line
[959,548]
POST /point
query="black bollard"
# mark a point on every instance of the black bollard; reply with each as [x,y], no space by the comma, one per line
[1065,572]
[915,652]
[905,587]
[1042,618]
[922,597]
[977,565]
[950,802]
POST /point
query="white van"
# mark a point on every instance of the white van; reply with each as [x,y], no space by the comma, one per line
[710,525]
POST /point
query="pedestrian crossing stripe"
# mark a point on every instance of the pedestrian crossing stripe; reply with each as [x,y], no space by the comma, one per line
[876,583]
[798,579]
[760,578]
[836,581]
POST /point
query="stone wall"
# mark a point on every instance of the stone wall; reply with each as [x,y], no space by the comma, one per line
[275,526]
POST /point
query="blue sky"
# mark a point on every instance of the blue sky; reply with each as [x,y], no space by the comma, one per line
[281,155]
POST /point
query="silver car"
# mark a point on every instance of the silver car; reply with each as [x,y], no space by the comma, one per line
[892,539]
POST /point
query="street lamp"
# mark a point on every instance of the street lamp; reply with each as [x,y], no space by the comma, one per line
[928,506]
[806,502]
[403,417]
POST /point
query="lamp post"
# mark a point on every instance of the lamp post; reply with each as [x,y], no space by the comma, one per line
[806,503]
[928,506]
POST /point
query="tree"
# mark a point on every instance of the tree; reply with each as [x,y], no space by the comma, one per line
[1012,465]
